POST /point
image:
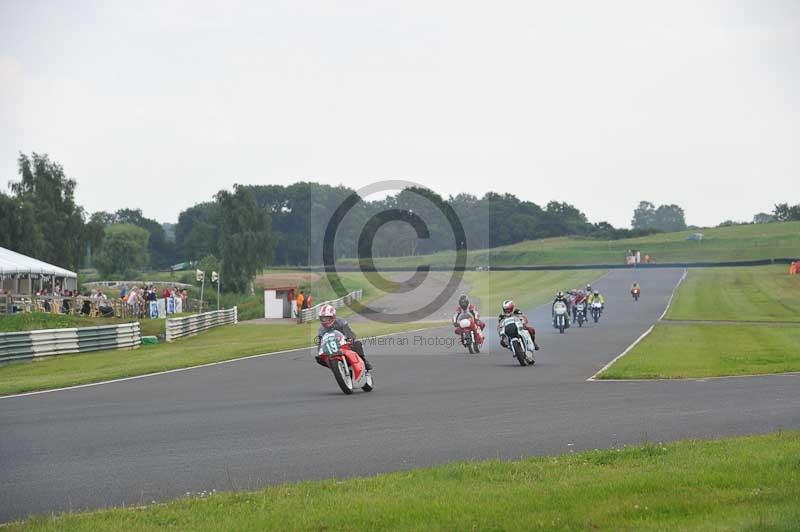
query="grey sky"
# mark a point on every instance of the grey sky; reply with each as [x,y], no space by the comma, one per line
[158,105]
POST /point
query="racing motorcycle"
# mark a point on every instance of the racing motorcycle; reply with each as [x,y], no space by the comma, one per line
[348,368]
[471,338]
[597,309]
[580,310]
[635,294]
[519,340]
[560,316]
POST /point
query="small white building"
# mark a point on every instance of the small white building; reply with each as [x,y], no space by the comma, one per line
[25,275]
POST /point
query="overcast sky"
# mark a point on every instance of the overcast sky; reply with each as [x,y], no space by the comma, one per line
[158,105]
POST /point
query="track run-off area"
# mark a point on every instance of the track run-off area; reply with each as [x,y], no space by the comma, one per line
[278,418]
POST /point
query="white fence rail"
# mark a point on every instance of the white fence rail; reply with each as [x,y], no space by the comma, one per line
[197,323]
[34,344]
[310,314]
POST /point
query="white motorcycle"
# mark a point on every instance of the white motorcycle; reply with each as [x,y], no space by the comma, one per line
[597,309]
[519,340]
[560,316]
[580,313]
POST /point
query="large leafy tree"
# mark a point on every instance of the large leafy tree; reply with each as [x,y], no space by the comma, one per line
[245,241]
[124,250]
[644,217]
[56,229]
[785,213]
[669,218]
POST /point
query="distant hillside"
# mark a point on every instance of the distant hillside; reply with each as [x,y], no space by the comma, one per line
[743,242]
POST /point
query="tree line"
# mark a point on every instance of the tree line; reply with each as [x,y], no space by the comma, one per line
[252,226]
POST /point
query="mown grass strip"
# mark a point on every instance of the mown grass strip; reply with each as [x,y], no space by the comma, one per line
[222,343]
[747,483]
[746,294]
[678,351]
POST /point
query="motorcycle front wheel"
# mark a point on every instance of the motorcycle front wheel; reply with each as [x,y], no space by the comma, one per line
[342,374]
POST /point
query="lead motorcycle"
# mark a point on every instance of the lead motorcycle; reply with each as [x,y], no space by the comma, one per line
[348,368]
[597,309]
[560,316]
[635,293]
[471,337]
[519,340]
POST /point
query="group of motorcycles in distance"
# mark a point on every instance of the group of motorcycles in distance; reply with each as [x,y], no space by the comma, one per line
[350,371]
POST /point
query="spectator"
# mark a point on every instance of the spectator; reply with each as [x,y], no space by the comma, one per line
[300,300]
[309,301]
[123,291]
[165,293]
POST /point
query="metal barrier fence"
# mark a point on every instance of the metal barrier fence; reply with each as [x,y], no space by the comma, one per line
[197,323]
[310,314]
[30,344]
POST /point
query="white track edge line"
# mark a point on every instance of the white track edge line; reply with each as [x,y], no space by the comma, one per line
[594,378]
[627,350]
[189,368]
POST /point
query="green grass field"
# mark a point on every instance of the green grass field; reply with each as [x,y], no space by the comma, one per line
[731,346]
[222,343]
[674,351]
[748,483]
[741,294]
[745,242]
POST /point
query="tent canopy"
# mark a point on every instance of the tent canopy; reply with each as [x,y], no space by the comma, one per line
[12,263]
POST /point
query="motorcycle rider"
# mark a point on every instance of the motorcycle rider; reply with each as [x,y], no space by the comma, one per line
[560,297]
[329,322]
[597,297]
[635,286]
[579,298]
[509,309]
[464,305]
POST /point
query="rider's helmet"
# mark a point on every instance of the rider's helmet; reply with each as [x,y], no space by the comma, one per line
[588,288]
[463,302]
[508,306]
[327,316]
[560,295]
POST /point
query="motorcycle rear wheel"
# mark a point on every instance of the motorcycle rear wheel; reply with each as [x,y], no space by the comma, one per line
[345,381]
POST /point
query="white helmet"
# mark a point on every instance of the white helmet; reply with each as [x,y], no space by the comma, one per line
[327,316]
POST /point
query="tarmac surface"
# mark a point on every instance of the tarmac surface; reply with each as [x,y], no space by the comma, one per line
[280,418]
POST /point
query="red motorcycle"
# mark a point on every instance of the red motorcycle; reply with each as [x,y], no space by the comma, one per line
[348,368]
[471,335]
[635,293]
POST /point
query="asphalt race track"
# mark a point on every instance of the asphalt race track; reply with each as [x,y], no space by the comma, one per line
[279,418]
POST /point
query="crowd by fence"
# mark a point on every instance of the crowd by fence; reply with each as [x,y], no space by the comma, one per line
[31,344]
[95,305]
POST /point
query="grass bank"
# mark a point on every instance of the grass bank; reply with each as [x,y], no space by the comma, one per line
[222,343]
[748,483]
[724,341]
[744,242]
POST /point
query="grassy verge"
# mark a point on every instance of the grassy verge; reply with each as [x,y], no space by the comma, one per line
[676,351]
[745,242]
[744,294]
[709,349]
[749,483]
[222,343]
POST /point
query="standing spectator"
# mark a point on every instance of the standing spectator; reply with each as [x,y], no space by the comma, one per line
[165,292]
[300,300]
[309,301]
[123,291]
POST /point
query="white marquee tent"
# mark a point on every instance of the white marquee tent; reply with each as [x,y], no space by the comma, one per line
[23,274]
